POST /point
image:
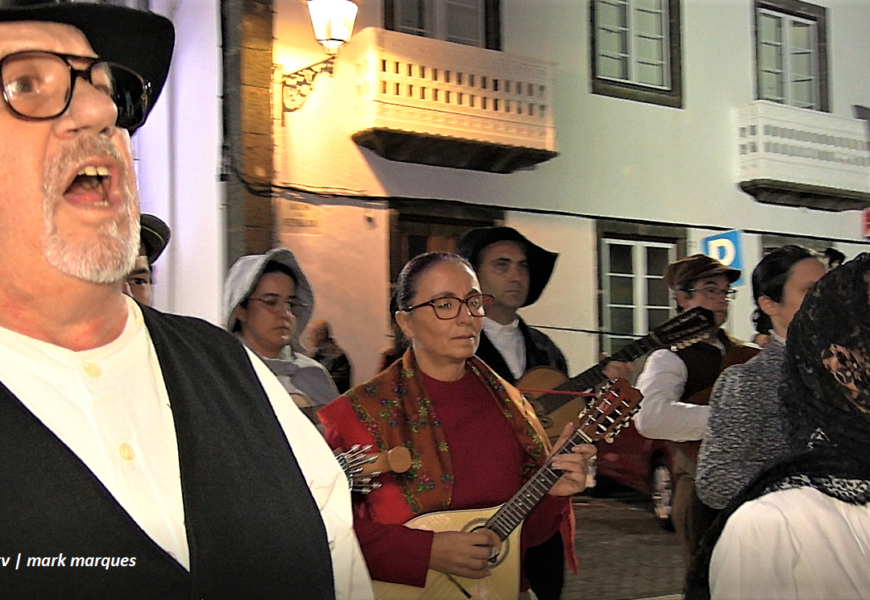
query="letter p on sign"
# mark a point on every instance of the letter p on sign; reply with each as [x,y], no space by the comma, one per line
[722,250]
[726,248]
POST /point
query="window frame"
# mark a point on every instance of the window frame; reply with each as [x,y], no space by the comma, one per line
[640,306]
[803,11]
[491,22]
[671,96]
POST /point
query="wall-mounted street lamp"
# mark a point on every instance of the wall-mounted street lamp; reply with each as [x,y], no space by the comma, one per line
[332,21]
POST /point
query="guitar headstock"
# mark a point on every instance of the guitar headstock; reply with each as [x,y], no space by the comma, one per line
[685,329]
[361,467]
[611,411]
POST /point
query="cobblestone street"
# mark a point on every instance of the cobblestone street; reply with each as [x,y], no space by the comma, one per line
[624,553]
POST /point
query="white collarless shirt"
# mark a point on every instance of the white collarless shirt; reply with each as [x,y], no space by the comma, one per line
[110,407]
[508,340]
[795,544]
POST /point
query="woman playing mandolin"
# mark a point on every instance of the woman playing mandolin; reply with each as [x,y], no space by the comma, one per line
[473,439]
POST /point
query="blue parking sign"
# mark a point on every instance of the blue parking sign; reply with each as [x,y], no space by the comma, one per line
[726,248]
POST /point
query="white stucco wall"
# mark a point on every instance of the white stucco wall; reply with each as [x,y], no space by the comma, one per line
[567,310]
[178,152]
[345,255]
[618,158]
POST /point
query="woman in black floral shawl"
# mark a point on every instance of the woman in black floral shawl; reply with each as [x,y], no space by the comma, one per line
[802,528]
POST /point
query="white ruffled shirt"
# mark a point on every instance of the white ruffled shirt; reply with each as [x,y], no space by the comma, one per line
[110,406]
[662,415]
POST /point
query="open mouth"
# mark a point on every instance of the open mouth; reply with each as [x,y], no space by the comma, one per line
[91,179]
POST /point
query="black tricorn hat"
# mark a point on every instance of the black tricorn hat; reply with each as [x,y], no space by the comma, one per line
[541,262]
[137,39]
[154,235]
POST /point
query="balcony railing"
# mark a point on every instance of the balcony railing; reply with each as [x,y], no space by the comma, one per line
[801,157]
[435,102]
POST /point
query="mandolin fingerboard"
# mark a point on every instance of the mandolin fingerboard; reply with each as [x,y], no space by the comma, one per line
[604,419]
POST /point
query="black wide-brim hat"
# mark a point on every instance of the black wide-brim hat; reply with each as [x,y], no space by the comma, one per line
[154,235]
[541,262]
[136,39]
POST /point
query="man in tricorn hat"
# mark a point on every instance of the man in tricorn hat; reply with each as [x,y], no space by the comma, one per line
[676,387]
[516,271]
[142,455]
[154,235]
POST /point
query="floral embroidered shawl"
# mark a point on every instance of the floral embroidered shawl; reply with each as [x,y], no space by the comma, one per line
[397,411]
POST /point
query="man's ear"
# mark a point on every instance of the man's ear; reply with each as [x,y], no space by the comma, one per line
[768,306]
[241,314]
[402,319]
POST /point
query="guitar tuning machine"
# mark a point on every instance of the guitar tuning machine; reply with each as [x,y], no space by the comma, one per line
[365,487]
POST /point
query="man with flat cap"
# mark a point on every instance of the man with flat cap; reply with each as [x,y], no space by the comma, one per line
[676,386]
[142,455]
[154,236]
[515,272]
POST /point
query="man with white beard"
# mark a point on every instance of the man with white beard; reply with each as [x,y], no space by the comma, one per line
[142,455]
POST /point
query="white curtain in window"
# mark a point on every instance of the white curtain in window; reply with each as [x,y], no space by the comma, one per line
[632,41]
[460,21]
[787,59]
[464,21]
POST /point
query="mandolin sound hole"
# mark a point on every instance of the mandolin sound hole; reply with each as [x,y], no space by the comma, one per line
[498,556]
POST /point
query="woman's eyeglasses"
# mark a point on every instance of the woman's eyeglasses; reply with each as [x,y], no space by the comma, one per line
[448,307]
[276,304]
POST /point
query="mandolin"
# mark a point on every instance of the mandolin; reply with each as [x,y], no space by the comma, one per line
[615,405]
[564,402]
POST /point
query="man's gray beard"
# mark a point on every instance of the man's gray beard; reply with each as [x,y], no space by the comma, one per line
[110,254]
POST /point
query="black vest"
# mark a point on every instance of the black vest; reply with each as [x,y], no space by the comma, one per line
[253,528]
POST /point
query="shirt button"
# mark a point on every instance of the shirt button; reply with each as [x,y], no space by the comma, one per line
[126,451]
[92,370]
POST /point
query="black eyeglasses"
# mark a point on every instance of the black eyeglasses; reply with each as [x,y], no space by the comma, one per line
[448,307]
[714,293]
[276,304]
[39,85]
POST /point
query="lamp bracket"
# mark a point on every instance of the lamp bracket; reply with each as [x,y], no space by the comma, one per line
[296,86]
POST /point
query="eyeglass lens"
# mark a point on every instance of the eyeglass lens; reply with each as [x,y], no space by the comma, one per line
[276,304]
[38,85]
[448,308]
[713,292]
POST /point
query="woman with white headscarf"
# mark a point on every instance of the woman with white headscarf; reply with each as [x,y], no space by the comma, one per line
[267,302]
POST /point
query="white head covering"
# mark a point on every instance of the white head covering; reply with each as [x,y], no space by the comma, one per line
[245,274]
